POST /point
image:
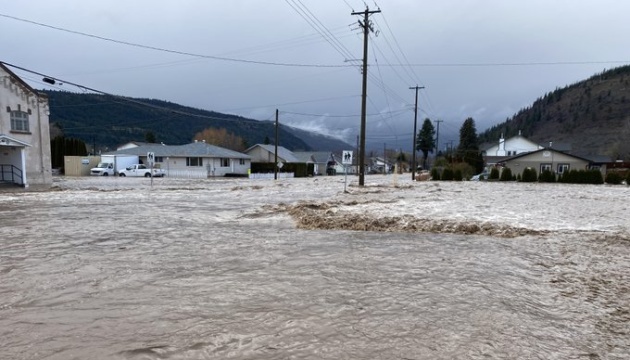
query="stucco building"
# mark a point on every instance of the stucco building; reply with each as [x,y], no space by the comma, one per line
[24,133]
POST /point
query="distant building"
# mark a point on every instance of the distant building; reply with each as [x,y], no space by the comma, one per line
[267,154]
[197,159]
[24,133]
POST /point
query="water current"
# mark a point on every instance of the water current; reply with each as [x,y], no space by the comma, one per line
[198,273]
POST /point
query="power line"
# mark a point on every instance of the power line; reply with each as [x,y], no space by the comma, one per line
[271,63]
[341,116]
[155,48]
[131,100]
[316,24]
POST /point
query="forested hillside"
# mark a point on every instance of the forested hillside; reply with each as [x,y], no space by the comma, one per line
[593,116]
[106,121]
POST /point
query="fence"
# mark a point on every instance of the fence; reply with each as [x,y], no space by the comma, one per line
[271,176]
[187,174]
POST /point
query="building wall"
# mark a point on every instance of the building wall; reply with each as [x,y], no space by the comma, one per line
[38,159]
[79,165]
[514,145]
[258,154]
[211,167]
[545,157]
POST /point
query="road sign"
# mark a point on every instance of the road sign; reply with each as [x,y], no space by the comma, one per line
[150,157]
[346,157]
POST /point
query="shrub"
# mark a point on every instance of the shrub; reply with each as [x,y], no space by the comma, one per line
[494,174]
[447,175]
[613,178]
[457,175]
[529,175]
[506,174]
[435,174]
[464,168]
[547,176]
[581,177]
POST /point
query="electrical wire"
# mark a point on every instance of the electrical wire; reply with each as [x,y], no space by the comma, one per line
[127,99]
[155,48]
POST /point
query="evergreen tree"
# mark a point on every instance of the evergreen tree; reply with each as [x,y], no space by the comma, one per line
[468,149]
[149,137]
[425,141]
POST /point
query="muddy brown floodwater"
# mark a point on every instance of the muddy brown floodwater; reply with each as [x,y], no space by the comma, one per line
[112,268]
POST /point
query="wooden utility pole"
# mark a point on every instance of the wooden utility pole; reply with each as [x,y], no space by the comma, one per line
[437,137]
[275,173]
[367,27]
[384,158]
[415,125]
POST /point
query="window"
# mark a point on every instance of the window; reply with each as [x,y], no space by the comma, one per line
[544,167]
[194,161]
[563,167]
[225,162]
[159,159]
[241,161]
[19,121]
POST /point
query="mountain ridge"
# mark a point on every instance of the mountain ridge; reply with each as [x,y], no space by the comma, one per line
[592,116]
[105,122]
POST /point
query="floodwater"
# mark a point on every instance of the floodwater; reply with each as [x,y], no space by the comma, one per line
[222,269]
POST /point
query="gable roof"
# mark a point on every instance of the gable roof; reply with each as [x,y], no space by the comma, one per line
[546,149]
[283,152]
[197,149]
[20,81]
[316,156]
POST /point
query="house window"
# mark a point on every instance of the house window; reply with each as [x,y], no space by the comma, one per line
[194,161]
[544,167]
[19,121]
[563,167]
[241,161]
[225,162]
[159,159]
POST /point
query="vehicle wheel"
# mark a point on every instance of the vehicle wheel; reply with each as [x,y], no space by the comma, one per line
[105,174]
[147,175]
[122,175]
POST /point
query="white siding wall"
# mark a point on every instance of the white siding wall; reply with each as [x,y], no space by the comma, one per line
[176,167]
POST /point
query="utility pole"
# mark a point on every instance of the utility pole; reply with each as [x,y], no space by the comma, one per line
[437,137]
[384,158]
[367,27]
[415,125]
[275,172]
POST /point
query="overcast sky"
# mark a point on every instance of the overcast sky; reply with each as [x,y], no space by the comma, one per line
[484,59]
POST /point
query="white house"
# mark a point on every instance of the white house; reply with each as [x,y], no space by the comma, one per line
[194,160]
[319,159]
[267,154]
[24,133]
[513,146]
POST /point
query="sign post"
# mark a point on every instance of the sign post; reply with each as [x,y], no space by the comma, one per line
[151,160]
[346,159]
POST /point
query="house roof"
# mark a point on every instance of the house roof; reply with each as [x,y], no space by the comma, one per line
[283,152]
[545,149]
[304,157]
[318,156]
[22,82]
[197,149]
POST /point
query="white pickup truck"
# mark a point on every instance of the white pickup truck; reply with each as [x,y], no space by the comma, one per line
[141,170]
